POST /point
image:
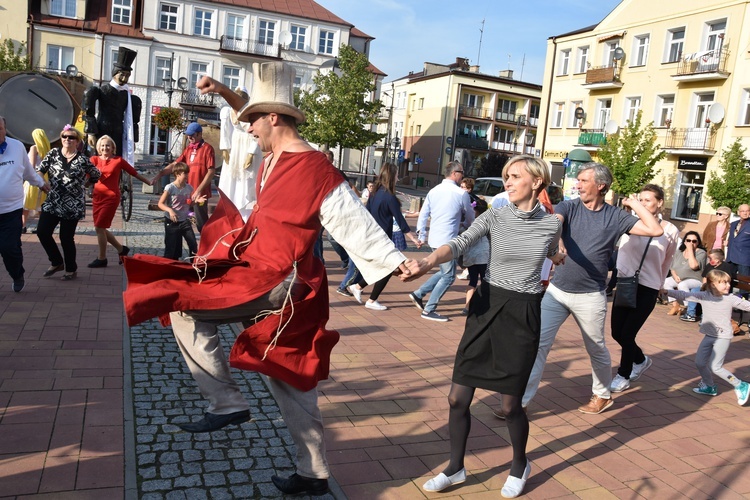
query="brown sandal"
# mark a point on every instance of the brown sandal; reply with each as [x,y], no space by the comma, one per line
[69,276]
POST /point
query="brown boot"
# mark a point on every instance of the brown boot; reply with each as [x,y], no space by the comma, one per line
[675,309]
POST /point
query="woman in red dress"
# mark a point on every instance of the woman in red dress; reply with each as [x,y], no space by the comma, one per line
[106,196]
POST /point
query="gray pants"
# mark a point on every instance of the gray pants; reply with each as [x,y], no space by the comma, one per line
[197,336]
[710,360]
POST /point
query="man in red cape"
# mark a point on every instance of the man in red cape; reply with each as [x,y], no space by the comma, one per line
[263,274]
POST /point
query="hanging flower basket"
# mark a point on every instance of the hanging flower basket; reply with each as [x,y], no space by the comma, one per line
[168,119]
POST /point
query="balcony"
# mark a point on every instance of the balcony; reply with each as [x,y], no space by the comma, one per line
[534,122]
[474,112]
[603,77]
[468,142]
[591,139]
[245,46]
[702,66]
[502,116]
[690,141]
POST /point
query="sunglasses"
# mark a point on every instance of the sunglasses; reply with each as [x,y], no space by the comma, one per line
[691,241]
[721,213]
[70,137]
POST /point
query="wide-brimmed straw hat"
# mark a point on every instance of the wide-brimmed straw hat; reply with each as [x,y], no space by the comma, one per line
[272,92]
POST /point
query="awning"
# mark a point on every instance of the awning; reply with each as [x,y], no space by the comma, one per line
[611,36]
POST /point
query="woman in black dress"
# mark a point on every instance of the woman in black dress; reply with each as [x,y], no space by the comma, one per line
[501,337]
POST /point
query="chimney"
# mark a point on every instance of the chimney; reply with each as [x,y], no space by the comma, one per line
[506,73]
[474,68]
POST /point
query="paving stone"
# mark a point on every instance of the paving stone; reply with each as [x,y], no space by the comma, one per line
[214,479]
[156,485]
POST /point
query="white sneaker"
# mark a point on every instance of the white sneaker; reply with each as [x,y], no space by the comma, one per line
[441,481]
[619,383]
[374,304]
[464,275]
[356,292]
[638,369]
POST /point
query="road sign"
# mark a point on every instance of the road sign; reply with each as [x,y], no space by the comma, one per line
[566,162]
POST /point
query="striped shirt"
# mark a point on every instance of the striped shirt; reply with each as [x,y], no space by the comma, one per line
[519,243]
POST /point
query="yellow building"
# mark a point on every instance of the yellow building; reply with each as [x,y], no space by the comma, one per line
[448,112]
[685,65]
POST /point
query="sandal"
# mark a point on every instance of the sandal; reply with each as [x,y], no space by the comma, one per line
[52,270]
[69,276]
[124,253]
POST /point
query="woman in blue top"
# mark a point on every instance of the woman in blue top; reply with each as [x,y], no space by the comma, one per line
[384,207]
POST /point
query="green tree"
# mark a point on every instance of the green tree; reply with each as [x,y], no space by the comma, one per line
[12,58]
[337,108]
[492,165]
[732,188]
[631,155]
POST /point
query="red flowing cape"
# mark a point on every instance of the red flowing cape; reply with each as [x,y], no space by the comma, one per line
[245,261]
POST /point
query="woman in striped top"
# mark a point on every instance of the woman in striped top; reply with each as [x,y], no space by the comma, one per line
[501,336]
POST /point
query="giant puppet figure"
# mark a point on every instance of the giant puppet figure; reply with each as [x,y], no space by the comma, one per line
[118,110]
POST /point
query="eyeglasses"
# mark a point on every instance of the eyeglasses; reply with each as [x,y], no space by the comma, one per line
[691,241]
[721,213]
[70,137]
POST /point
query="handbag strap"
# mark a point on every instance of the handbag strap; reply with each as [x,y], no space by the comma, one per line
[648,243]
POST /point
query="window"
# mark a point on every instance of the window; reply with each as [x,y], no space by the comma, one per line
[326,42]
[664,110]
[504,136]
[297,84]
[557,117]
[745,108]
[266,32]
[419,129]
[58,58]
[421,103]
[197,70]
[507,110]
[63,8]
[689,193]
[473,100]
[562,69]
[675,39]
[231,77]
[202,25]
[168,17]
[640,50]
[235,27]
[572,120]
[299,34]
[582,63]
[702,101]
[603,112]
[609,53]
[163,70]
[534,115]
[121,10]
[632,106]
[715,34]
[157,144]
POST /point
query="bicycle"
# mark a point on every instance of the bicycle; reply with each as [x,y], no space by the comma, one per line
[126,195]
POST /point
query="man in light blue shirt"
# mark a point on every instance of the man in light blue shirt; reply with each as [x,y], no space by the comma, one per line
[449,208]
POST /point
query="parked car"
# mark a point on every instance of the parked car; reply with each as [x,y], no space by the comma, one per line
[487,188]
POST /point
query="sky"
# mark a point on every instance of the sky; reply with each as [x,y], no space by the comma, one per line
[409,33]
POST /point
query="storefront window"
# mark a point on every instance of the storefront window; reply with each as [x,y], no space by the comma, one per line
[689,191]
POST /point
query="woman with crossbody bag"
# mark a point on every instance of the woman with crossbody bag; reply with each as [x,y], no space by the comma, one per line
[653,257]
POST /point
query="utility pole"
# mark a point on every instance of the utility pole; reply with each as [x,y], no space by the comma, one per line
[481,33]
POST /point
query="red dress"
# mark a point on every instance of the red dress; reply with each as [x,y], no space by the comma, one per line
[281,238]
[106,196]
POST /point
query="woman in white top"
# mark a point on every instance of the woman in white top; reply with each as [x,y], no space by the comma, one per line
[626,322]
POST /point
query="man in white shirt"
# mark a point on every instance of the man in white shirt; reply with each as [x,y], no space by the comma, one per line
[446,205]
[15,168]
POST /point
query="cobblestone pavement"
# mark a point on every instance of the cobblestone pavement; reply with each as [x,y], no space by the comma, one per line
[236,462]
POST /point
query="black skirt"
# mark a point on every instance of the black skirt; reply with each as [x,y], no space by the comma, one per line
[500,341]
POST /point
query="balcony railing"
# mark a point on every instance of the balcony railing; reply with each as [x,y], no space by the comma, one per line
[533,122]
[463,141]
[474,112]
[503,116]
[195,98]
[246,46]
[711,61]
[592,137]
[601,74]
[690,138]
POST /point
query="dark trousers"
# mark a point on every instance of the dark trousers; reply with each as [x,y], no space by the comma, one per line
[174,232]
[626,323]
[44,229]
[377,288]
[201,215]
[10,243]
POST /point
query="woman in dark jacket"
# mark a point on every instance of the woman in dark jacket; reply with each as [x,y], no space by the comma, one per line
[384,207]
[69,171]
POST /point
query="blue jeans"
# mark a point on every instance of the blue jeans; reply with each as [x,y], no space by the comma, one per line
[437,285]
[692,307]
[352,276]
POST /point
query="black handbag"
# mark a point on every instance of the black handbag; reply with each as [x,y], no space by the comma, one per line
[627,286]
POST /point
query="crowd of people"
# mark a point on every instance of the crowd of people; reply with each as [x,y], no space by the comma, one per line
[256,265]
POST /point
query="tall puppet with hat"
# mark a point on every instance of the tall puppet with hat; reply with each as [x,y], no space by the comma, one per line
[118,110]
